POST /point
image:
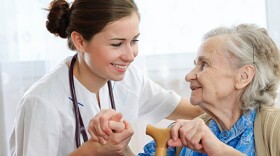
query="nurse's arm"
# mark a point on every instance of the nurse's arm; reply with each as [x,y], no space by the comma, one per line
[185,110]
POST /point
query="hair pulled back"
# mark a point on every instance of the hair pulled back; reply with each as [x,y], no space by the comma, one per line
[87,17]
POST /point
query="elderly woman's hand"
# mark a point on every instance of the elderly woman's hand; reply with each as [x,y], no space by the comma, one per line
[196,135]
[99,126]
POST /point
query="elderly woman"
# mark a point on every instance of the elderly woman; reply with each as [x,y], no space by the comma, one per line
[235,81]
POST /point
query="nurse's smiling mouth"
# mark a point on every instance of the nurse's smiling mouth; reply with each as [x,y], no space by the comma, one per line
[121,68]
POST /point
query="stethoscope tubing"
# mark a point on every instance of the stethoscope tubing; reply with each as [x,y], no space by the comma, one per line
[80,128]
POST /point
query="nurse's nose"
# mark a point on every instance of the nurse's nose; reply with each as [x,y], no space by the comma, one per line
[129,54]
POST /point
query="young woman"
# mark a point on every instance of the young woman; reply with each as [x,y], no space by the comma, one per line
[54,112]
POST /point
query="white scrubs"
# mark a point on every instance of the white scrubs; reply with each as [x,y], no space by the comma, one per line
[45,122]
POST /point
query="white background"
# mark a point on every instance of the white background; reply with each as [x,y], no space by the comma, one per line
[170,34]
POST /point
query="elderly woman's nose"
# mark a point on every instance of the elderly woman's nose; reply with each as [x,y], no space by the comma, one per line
[190,76]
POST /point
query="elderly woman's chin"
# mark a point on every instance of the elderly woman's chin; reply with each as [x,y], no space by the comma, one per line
[195,100]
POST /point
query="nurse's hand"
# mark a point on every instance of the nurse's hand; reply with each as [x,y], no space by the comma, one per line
[196,135]
[99,128]
[116,127]
[117,143]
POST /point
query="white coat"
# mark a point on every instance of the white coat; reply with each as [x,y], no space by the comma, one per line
[45,122]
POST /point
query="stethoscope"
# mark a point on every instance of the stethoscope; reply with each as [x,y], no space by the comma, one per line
[80,128]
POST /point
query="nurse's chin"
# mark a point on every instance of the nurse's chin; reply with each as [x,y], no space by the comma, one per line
[117,78]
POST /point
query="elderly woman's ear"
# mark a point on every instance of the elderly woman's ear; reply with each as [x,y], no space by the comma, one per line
[244,76]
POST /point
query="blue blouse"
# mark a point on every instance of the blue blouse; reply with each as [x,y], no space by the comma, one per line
[240,137]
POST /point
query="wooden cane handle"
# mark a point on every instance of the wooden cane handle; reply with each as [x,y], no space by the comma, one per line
[161,136]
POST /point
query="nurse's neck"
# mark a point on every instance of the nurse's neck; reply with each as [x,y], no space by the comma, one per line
[87,77]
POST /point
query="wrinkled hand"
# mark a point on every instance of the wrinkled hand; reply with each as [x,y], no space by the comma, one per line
[99,128]
[196,135]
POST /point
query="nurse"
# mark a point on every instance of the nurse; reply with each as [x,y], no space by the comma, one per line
[54,113]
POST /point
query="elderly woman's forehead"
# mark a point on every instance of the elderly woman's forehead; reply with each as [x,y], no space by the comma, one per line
[211,45]
[215,41]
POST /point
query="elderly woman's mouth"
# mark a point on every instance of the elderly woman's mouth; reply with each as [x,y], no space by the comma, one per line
[194,87]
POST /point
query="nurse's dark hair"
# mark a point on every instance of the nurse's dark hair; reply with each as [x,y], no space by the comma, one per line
[87,17]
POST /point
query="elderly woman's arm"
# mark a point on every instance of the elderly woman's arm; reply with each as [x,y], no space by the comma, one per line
[229,151]
[196,135]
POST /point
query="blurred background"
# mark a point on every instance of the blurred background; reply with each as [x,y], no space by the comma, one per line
[171,32]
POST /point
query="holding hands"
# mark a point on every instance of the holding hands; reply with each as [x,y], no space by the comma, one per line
[111,132]
[99,126]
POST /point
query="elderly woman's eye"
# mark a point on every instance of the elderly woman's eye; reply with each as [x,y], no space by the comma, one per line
[203,65]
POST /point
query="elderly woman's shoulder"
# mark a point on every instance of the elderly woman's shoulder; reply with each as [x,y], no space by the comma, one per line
[269,115]
[266,131]
[269,110]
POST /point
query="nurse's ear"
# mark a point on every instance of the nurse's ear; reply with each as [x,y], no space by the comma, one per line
[78,41]
[244,76]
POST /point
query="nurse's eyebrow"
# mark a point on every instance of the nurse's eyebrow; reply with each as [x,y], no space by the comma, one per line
[123,39]
[136,36]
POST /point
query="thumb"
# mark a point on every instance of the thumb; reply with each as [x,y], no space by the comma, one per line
[116,117]
[116,126]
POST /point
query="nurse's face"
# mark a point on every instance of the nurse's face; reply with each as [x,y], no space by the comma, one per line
[110,52]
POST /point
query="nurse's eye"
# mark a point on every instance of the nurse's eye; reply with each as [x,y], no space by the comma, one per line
[117,44]
[134,41]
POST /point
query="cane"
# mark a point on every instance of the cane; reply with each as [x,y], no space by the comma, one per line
[161,136]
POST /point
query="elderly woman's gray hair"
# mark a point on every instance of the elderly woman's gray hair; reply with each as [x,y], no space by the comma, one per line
[251,44]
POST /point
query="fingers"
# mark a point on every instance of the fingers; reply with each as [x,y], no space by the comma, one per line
[191,136]
[99,128]
[189,133]
[196,135]
[176,127]
[116,126]
[104,118]
[128,132]
[116,117]
[175,130]
[123,135]
[119,141]
[196,141]
[96,133]
[92,134]
[176,143]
